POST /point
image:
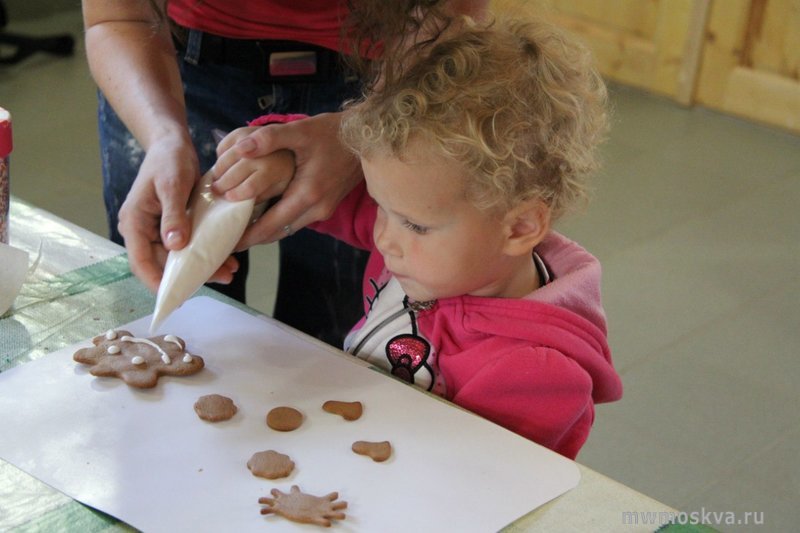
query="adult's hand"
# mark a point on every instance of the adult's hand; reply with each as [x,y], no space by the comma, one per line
[153,218]
[325,172]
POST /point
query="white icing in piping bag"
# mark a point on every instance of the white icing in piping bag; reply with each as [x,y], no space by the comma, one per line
[217,225]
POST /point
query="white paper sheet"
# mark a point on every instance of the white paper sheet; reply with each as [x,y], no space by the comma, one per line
[146,458]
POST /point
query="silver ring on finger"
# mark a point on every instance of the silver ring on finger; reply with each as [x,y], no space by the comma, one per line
[287,229]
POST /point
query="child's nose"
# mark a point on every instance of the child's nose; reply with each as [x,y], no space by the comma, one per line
[385,240]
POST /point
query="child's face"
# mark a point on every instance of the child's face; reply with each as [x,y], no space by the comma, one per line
[435,242]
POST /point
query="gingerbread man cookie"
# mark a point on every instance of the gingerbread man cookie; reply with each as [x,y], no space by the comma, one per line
[137,361]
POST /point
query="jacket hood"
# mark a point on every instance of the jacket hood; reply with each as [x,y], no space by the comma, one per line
[566,314]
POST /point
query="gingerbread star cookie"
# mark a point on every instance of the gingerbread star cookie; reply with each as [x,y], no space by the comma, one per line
[139,362]
[305,508]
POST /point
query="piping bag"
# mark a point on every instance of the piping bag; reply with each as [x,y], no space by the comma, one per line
[217,225]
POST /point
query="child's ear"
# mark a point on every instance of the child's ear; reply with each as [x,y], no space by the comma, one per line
[525,226]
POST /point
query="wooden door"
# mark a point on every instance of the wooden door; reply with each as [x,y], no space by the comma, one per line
[651,44]
[751,61]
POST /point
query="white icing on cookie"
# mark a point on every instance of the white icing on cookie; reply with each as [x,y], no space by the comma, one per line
[113,349]
[111,335]
[137,360]
[187,358]
[164,356]
[174,340]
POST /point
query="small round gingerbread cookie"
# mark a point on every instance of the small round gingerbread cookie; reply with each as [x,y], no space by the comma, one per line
[284,418]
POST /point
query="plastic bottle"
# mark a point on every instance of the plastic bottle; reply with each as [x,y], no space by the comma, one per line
[5,193]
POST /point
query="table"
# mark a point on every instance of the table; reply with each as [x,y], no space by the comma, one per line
[82,284]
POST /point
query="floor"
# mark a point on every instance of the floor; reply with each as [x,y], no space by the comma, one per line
[695,221]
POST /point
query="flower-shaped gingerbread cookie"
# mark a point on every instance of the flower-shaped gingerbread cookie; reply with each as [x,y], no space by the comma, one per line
[300,507]
[137,361]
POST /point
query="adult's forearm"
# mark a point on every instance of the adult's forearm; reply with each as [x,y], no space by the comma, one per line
[132,61]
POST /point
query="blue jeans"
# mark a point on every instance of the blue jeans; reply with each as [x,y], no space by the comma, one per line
[319,287]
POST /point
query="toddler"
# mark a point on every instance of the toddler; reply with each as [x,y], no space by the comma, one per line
[469,293]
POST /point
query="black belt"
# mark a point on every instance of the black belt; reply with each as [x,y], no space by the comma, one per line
[271,60]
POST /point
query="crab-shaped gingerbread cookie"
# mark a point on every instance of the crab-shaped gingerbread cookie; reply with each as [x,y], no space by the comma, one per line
[138,362]
[305,508]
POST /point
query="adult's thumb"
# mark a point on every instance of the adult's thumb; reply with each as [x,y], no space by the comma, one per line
[175,229]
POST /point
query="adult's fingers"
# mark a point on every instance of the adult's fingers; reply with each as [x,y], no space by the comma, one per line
[294,136]
[143,257]
[173,195]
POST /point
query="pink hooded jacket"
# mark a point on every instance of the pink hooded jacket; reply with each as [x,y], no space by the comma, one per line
[535,365]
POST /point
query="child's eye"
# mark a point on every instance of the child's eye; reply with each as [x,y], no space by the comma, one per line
[416,228]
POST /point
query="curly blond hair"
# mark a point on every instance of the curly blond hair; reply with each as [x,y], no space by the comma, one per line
[518,103]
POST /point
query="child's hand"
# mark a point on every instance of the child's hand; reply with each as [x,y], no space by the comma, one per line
[238,177]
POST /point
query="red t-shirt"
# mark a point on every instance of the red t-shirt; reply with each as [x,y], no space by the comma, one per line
[310,21]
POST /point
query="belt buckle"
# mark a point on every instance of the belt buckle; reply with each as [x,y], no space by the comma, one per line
[293,63]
